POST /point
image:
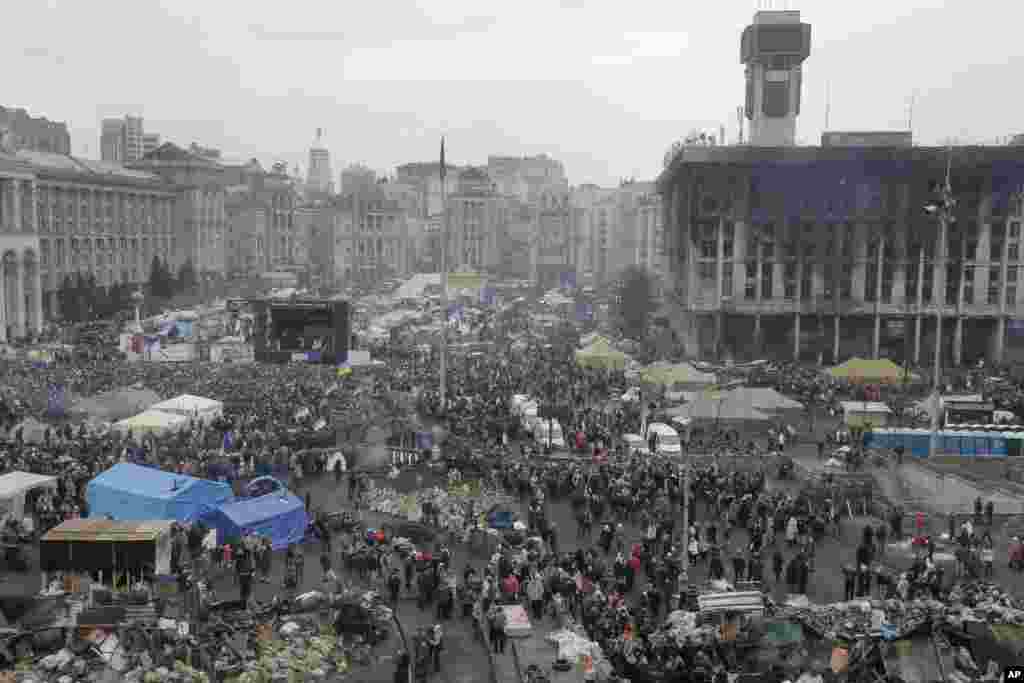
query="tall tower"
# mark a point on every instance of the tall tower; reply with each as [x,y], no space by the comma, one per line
[319,177]
[773,49]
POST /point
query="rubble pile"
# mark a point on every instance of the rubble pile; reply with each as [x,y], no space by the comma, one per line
[985,602]
[451,506]
[860,618]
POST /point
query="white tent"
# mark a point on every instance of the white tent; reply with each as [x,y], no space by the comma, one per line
[152,422]
[204,409]
[14,486]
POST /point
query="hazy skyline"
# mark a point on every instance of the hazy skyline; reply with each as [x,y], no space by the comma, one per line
[604,87]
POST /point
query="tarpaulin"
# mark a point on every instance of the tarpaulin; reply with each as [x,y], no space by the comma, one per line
[131,492]
[279,516]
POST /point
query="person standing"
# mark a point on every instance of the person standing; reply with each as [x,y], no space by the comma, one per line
[496,618]
[244,568]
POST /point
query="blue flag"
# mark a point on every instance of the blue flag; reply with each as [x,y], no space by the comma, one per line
[55,400]
[1015,328]
[487,296]
[312,356]
[229,442]
[568,279]
[424,440]
[455,313]
[584,312]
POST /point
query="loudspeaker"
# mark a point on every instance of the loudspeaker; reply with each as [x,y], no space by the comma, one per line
[341,314]
[259,327]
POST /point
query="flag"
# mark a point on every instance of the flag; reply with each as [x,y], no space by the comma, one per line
[312,356]
[228,442]
[55,400]
[464,281]
[455,313]
[153,345]
[584,312]
[345,369]
[568,279]
[1015,328]
[442,160]
[487,296]
[424,440]
[167,328]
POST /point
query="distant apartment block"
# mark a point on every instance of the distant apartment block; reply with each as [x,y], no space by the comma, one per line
[35,133]
[125,140]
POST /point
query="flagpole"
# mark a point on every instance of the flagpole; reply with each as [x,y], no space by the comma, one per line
[940,295]
[443,378]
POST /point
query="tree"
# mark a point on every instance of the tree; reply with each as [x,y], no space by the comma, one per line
[161,281]
[635,302]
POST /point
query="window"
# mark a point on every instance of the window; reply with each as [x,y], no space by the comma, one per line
[995,250]
[952,284]
[768,250]
[871,281]
[727,276]
[993,286]
[728,239]
[1015,230]
[888,273]
[750,281]
[789,281]
[707,272]
[910,283]
[767,275]
[1011,286]
[846,282]
[972,249]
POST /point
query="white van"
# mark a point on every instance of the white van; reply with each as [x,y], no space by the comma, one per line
[542,429]
[668,439]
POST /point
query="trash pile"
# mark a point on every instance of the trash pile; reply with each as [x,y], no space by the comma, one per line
[985,602]
[300,653]
[451,507]
[574,648]
[861,618]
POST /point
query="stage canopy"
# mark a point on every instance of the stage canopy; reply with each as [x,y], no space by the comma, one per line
[188,406]
[152,422]
[279,516]
[135,493]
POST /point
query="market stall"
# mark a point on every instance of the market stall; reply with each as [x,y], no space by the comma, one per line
[131,492]
[100,545]
[15,486]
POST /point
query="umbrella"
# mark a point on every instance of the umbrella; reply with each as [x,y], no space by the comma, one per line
[871,371]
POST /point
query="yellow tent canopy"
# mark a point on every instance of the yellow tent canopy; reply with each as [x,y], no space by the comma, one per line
[668,374]
[868,371]
[600,354]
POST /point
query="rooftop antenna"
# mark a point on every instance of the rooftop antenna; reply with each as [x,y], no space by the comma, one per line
[828,103]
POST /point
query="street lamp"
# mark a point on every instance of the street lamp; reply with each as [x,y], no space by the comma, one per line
[137,298]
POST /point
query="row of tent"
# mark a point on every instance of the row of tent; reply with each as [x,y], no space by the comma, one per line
[917,442]
[172,415]
[130,492]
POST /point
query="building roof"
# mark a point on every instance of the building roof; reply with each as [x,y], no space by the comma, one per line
[104,530]
[86,170]
[170,152]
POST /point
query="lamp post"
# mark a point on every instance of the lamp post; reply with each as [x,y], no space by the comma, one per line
[137,298]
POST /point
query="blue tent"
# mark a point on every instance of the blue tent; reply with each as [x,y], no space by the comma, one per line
[129,492]
[281,516]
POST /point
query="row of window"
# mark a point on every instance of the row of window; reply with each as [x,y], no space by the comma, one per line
[107,251]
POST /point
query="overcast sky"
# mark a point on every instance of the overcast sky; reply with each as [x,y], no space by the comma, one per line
[605,86]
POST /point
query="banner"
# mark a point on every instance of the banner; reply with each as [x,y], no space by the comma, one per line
[464,281]
[55,400]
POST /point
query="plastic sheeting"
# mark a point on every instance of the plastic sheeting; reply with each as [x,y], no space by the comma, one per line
[135,493]
[280,516]
[186,405]
[151,422]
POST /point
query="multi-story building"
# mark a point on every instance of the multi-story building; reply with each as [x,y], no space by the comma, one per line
[371,238]
[64,215]
[200,221]
[150,141]
[124,140]
[475,223]
[315,224]
[527,178]
[643,216]
[827,249]
[357,178]
[553,244]
[773,48]
[35,133]
[599,230]
[516,252]
[262,231]
[425,179]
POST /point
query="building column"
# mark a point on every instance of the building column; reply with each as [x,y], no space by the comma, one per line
[918,322]
[37,299]
[835,339]
[796,336]
[876,341]
[3,292]
[998,348]
[18,315]
[15,190]
[958,341]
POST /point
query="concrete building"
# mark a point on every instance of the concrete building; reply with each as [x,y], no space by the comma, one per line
[319,177]
[425,178]
[314,224]
[773,49]
[200,221]
[262,234]
[124,140]
[63,215]
[475,223]
[35,132]
[150,141]
[553,244]
[527,178]
[825,252]
[371,238]
[357,178]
